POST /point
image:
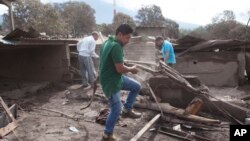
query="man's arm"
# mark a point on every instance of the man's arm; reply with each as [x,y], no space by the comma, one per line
[92,50]
[78,46]
[121,68]
[166,56]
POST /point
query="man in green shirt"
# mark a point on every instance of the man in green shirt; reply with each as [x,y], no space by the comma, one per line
[112,79]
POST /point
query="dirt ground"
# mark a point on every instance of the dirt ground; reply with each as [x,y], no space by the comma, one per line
[35,123]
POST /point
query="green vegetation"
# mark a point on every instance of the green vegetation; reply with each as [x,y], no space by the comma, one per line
[77,19]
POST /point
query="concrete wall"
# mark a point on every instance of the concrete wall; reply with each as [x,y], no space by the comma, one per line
[170,92]
[43,63]
[140,51]
[213,68]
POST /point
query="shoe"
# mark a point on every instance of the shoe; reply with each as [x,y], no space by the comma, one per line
[109,137]
[130,114]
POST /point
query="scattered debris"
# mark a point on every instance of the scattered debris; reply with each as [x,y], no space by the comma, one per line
[101,118]
[73,129]
[181,134]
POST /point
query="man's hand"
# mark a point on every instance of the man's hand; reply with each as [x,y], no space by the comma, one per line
[134,70]
[121,68]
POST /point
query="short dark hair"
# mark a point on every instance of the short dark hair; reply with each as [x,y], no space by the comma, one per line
[159,38]
[124,29]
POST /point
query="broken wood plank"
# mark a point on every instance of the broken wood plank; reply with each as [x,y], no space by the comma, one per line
[176,120]
[7,129]
[194,106]
[140,62]
[4,119]
[154,96]
[12,125]
[145,68]
[6,109]
[146,127]
[168,109]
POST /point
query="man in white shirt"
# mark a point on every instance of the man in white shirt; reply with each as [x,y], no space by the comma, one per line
[86,49]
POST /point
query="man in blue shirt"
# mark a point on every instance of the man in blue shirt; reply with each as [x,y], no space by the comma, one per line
[167,50]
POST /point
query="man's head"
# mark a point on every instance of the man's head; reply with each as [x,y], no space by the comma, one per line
[95,35]
[123,33]
[159,41]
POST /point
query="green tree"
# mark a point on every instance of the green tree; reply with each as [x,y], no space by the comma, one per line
[172,28]
[222,24]
[33,13]
[79,16]
[150,16]
[184,32]
[106,29]
[121,18]
[225,16]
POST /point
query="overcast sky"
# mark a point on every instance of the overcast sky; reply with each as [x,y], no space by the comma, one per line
[192,11]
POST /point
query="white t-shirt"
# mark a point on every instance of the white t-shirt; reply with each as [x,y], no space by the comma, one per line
[86,47]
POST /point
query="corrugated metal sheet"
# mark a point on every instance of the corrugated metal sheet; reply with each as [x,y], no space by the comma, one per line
[211,45]
[5,42]
[18,33]
[31,38]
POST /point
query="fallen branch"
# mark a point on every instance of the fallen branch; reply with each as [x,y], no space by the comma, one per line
[153,94]
[58,112]
[93,94]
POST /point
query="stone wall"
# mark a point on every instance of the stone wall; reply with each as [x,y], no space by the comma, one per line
[213,68]
[41,63]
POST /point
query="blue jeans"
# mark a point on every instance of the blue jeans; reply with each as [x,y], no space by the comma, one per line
[128,84]
[87,70]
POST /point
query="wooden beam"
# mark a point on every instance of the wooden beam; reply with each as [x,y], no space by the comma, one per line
[168,109]
[146,127]
[12,125]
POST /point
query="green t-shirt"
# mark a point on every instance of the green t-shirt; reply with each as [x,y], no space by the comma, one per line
[111,53]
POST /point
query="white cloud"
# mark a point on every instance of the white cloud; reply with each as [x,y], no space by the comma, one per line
[3,9]
[193,11]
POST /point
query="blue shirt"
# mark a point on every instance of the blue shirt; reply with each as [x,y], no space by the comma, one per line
[167,46]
